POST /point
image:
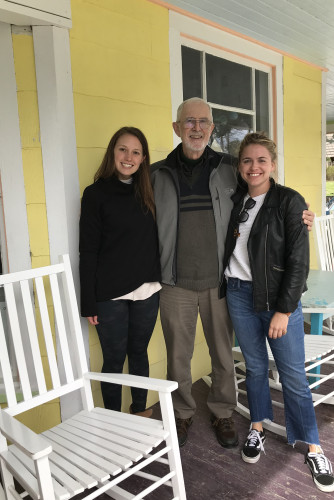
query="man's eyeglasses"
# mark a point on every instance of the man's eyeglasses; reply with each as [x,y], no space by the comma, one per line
[243,216]
[191,123]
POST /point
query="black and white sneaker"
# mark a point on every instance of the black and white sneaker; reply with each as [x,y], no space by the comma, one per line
[253,446]
[321,470]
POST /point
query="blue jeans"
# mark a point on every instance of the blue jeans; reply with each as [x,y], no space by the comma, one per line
[125,328]
[251,329]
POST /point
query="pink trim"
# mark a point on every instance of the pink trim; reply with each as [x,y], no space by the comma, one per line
[220,47]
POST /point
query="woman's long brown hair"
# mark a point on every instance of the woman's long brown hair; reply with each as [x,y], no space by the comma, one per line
[141,178]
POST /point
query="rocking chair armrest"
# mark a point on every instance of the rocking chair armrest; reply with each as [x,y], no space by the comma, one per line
[24,438]
[151,384]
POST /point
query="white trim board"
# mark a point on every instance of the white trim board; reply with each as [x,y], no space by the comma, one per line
[36,12]
[14,199]
[323,142]
[56,115]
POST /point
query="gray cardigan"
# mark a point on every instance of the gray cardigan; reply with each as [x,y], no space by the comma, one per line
[222,185]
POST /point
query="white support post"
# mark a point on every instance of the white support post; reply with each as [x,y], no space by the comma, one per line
[56,114]
[323,142]
[14,228]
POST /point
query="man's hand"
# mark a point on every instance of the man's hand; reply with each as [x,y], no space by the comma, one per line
[308,218]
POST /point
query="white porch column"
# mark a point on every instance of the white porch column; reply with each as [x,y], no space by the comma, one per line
[56,114]
[323,142]
[14,225]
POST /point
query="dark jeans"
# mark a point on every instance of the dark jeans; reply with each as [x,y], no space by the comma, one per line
[125,328]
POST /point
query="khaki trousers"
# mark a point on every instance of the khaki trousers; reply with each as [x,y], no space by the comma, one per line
[179,309]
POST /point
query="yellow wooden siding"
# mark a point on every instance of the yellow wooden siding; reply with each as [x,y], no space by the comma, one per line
[120,71]
[302,134]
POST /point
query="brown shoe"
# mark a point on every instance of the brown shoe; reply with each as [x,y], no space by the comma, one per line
[146,413]
[226,433]
[182,426]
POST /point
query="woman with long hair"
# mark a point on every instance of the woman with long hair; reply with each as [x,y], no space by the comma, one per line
[119,261]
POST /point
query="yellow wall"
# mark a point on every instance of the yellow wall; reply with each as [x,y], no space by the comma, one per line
[302,134]
[49,414]
[120,71]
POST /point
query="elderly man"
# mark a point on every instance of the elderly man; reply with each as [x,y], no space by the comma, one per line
[192,189]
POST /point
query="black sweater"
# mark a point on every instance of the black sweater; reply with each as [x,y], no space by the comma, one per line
[118,243]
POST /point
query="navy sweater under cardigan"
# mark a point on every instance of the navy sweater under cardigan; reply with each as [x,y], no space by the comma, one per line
[118,243]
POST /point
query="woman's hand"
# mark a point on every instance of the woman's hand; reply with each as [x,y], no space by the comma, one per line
[308,217]
[92,320]
[278,325]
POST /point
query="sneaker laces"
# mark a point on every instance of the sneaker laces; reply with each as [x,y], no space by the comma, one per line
[322,463]
[253,438]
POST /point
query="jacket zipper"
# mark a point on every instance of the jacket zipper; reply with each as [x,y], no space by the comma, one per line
[265,267]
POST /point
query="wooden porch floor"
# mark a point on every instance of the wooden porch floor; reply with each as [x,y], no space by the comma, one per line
[213,473]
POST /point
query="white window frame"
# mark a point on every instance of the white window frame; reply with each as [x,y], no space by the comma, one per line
[184,30]
[254,65]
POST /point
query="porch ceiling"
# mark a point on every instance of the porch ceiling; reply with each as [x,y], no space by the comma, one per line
[302,28]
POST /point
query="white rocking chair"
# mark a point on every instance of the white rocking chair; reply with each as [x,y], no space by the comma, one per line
[324,240]
[95,449]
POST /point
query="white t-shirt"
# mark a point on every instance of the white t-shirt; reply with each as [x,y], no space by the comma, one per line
[239,266]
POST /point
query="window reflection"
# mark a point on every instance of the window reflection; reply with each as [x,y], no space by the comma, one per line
[228,83]
[230,128]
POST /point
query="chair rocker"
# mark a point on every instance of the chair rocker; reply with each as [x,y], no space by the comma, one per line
[95,449]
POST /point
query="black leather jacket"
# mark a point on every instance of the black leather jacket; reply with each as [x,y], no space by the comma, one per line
[278,249]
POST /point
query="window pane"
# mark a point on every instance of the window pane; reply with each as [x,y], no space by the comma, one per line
[191,73]
[228,83]
[230,129]
[262,104]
